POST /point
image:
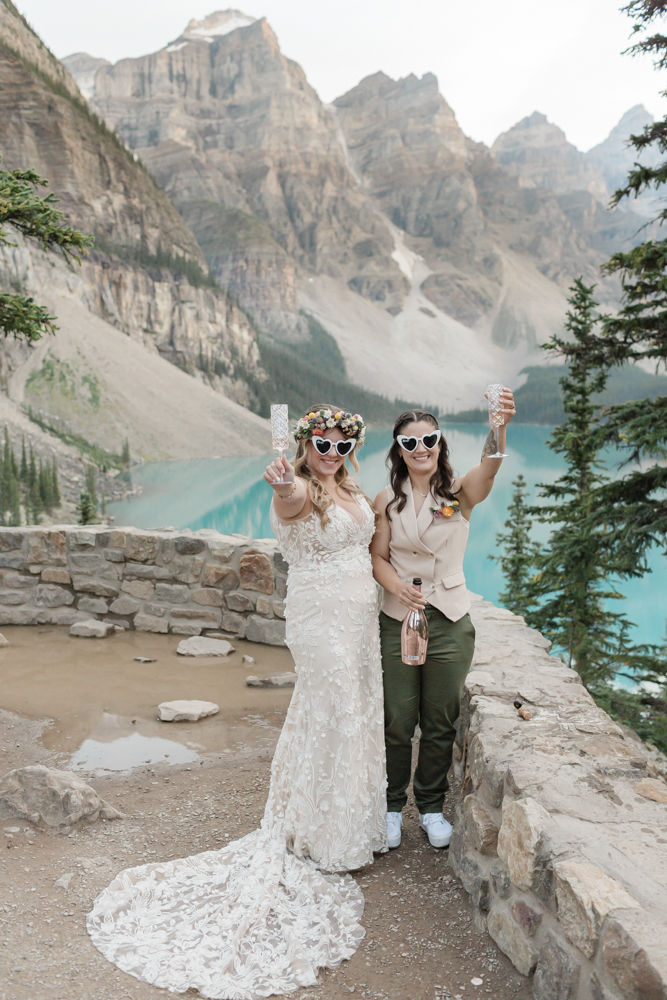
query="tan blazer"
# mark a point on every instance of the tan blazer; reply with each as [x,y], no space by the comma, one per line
[430,548]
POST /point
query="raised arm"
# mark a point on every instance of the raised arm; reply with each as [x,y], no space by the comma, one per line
[476,485]
[383,571]
[291,498]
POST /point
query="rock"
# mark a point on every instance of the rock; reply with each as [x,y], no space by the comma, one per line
[203,646]
[245,658]
[234,623]
[481,830]
[286,679]
[143,590]
[159,610]
[145,659]
[511,941]
[6,642]
[64,881]
[236,601]
[125,605]
[93,605]
[186,711]
[172,593]
[53,574]
[12,597]
[557,973]
[91,585]
[142,548]
[92,629]
[651,788]
[187,569]
[500,879]
[524,820]
[264,606]
[208,597]
[528,918]
[150,623]
[188,546]
[279,609]
[186,629]
[266,630]
[256,572]
[54,798]
[135,571]
[585,895]
[211,616]
[634,953]
[471,869]
[220,576]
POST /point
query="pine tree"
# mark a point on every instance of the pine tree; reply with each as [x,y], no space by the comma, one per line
[32,471]
[55,486]
[91,487]
[85,509]
[14,498]
[24,462]
[45,486]
[571,583]
[125,455]
[519,553]
[103,505]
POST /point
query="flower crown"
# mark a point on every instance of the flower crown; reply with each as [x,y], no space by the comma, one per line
[315,423]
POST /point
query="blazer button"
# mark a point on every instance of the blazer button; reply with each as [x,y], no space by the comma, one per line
[414,553]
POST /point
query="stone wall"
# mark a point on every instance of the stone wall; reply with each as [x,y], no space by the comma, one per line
[561,824]
[155,581]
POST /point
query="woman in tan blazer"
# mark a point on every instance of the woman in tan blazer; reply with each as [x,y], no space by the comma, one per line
[422,532]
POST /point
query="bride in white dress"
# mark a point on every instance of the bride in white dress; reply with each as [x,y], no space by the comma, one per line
[261,915]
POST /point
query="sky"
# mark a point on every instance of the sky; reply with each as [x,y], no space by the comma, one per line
[495,62]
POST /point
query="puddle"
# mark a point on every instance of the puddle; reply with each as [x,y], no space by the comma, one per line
[104,704]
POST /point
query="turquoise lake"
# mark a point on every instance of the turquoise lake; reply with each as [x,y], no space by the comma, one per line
[229,494]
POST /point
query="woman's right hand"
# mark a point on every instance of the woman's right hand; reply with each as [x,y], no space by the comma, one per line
[280,475]
[411,598]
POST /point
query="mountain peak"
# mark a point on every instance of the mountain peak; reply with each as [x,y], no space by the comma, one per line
[221,22]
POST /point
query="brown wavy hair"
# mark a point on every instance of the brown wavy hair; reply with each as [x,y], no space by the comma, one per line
[441,480]
[319,497]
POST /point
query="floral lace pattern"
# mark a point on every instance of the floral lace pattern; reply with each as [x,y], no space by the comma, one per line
[260,916]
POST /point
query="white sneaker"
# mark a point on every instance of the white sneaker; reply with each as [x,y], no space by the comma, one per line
[394,824]
[438,830]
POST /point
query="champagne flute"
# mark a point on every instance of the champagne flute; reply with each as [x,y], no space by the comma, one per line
[496,417]
[280,433]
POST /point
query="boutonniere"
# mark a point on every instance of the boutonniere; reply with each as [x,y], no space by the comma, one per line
[446,509]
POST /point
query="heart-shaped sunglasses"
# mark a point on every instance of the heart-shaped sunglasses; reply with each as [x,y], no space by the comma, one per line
[324,445]
[428,440]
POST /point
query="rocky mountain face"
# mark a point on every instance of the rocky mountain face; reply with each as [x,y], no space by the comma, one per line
[149,279]
[614,158]
[377,214]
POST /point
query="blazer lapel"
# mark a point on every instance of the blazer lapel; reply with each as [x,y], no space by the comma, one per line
[409,517]
[425,518]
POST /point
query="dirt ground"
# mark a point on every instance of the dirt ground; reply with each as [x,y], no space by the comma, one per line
[60,697]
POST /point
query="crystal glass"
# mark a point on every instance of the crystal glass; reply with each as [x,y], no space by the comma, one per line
[280,431]
[496,418]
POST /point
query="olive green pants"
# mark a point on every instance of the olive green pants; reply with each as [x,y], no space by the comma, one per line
[428,695]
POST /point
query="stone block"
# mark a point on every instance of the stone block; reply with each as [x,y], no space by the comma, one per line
[236,601]
[47,547]
[523,823]
[279,609]
[284,680]
[118,539]
[279,562]
[483,768]
[94,605]
[585,895]
[234,623]
[102,539]
[190,629]
[473,872]
[114,556]
[480,827]
[150,608]
[13,560]
[256,572]
[186,711]
[557,973]
[223,577]
[13,597]
[135,571]
[65,616]
[54,574]
[651,788]
[88,561]
[186,545]
[634,954]
[140,548]
[11,540]
[187,569]
[172,593]
[143,590]
[526,916]
[264,606]
[204,646]
[221,549]
[125,605]
[208,597]
[97,586]
[82,539]
[91,628]
[49,595]
[212,615]
[500,879]
[150,623]
[281,587]
[21,616]
[268,630]
[511,941]
[50,798]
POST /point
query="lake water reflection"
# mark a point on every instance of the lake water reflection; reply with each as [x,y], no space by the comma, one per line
[229,494]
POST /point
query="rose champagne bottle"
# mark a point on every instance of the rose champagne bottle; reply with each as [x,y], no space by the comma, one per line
[414,634]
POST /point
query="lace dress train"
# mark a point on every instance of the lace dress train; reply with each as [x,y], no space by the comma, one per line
[261,915]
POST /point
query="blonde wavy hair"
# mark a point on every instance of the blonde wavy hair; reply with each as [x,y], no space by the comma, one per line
[319,497]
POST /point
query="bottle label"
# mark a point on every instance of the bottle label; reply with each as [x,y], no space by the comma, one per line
[411,657]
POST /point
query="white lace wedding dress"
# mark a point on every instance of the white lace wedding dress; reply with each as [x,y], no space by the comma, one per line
[260,916]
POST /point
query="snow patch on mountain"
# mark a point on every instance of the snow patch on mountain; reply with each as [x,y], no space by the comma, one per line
[217,24]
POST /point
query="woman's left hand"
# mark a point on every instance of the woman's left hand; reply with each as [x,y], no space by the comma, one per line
[507,400]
